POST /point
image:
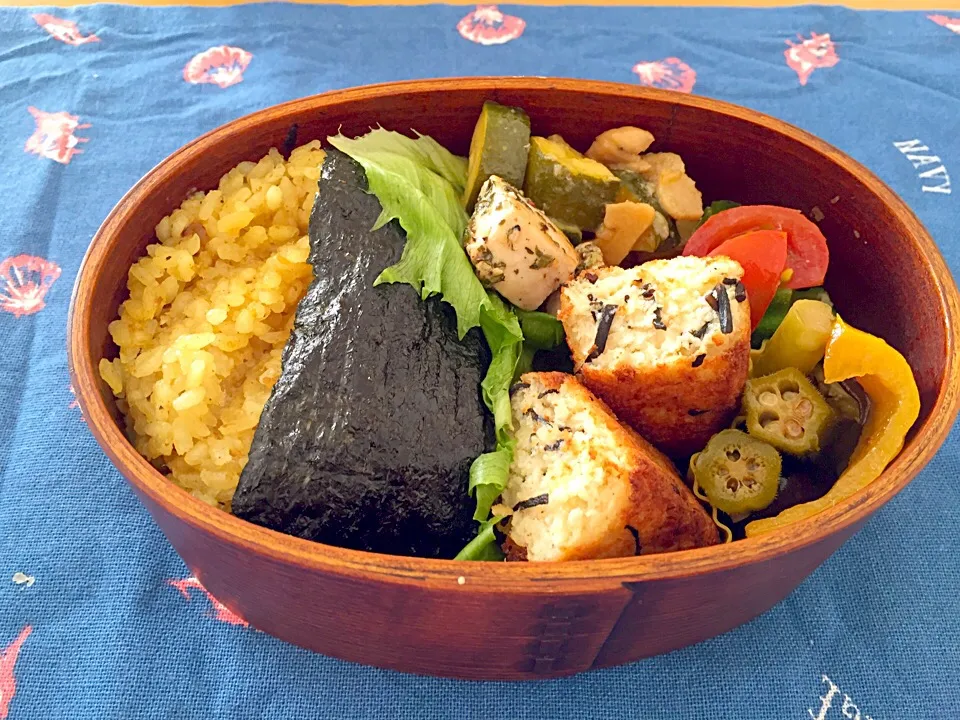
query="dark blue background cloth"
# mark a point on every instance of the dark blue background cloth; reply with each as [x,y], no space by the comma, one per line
[111,637]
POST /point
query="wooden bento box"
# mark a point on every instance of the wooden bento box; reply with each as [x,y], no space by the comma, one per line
[536,620]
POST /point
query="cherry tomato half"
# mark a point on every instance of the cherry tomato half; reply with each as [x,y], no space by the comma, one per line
[762,255]
[807,253]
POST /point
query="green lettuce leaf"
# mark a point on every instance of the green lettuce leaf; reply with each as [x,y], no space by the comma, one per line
[408,177]
[489,472]
[524,362]
[540,330]
[484,545]
[505,338]
[423,150]
[488,478]
[450,167]
[506,332]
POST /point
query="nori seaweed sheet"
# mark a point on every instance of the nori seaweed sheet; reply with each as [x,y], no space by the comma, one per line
[367,439]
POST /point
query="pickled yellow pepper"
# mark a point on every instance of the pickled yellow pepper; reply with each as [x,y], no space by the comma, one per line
[895,404]
[799,342]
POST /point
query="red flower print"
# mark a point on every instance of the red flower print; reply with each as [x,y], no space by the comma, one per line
[66,31]
[219,611]
[8,659]
[488,26]
[816,51]
[947,22]
[222,66]
[75,404]
[53,137]
[24,282]
[669,74]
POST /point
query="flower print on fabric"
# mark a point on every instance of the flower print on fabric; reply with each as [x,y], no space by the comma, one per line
[947,22]
[8,659]
[75,404]
[66,31]
[218,610]
[54,136]
[488,26]
[24,282]
[668,74]
[222,66]
[812,53]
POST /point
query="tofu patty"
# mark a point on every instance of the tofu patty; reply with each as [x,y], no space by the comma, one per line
[661,346]
[583,486]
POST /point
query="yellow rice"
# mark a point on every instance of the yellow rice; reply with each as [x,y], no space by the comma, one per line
[211,307]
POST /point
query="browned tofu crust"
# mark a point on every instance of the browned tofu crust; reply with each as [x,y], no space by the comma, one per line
[662,514]
[665,513]
[676,404]
[676,407]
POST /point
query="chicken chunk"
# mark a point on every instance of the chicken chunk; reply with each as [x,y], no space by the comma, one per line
[624,224]
[679,196]
[620,148]
[516,249]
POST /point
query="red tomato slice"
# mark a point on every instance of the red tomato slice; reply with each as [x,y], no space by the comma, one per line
[807,253]
[762,255]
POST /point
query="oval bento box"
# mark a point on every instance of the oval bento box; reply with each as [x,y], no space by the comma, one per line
[535,620]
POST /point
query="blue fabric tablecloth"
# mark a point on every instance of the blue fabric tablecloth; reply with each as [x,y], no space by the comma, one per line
[98,617]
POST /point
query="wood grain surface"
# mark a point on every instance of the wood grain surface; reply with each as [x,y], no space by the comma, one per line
[533,620]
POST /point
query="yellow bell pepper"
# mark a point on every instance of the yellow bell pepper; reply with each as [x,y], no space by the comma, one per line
[799,342]
[895,404]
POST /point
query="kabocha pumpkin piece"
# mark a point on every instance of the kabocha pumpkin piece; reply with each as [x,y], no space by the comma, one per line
[568,148]
[672,359]
[583,486]
[574,233]
[676,192]
[501,140]
[566,185]
[785,410]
